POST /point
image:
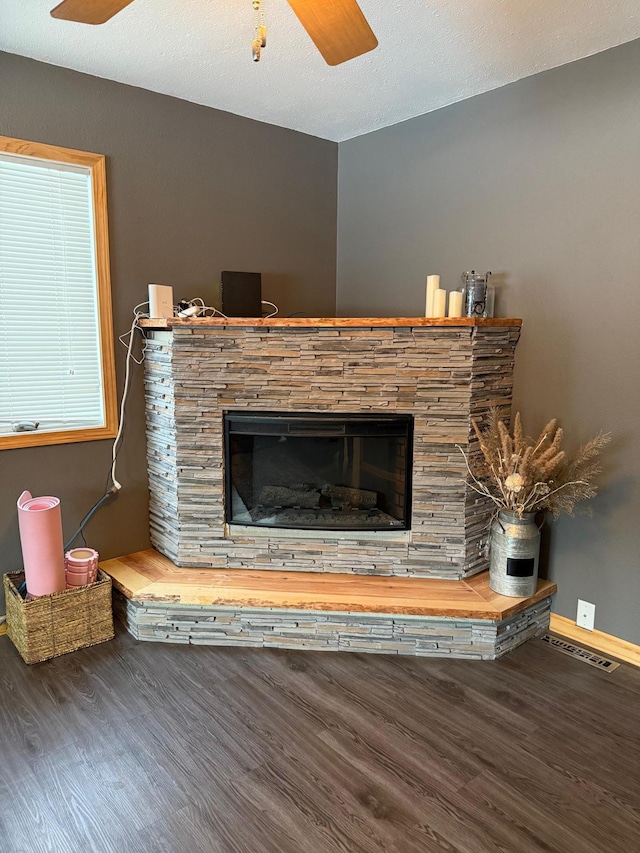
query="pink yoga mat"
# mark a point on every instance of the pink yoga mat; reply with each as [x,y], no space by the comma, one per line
[40,525]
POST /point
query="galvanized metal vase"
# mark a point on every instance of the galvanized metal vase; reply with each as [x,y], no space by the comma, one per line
[515,549]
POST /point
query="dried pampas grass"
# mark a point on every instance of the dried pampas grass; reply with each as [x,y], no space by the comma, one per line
[522,474]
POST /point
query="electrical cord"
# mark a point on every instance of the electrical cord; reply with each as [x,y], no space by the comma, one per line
[86,519]
[112,486]
[138,315]
[273,305]
[196,308]
[127,377]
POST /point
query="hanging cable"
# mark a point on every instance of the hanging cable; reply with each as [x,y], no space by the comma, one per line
[127,377]
[273,305]
[113,486]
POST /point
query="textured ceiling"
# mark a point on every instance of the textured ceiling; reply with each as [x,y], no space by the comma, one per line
[431,53]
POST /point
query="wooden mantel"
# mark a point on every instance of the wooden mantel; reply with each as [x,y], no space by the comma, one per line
[325,322]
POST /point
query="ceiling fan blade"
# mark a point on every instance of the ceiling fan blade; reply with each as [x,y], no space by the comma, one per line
[337,28]
[88,11]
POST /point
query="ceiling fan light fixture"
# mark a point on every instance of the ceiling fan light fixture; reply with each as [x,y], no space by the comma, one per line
[260,38]
[337,27]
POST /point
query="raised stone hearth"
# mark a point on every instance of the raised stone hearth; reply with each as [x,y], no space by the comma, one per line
[160,602]
[326,632]
[441,373]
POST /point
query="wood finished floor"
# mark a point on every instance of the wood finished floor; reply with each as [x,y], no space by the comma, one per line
[145,747]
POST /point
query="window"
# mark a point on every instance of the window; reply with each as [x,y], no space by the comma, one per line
[57,380]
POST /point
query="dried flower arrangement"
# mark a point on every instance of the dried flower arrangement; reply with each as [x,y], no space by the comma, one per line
[522,475]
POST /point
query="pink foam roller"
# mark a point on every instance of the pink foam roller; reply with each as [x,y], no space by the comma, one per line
[81,563]
[40,523]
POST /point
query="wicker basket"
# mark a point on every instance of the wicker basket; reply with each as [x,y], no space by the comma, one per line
[53,625]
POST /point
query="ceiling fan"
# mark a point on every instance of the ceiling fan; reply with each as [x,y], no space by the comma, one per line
[337,27]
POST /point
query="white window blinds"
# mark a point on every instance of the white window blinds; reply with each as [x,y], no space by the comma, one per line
[50,357]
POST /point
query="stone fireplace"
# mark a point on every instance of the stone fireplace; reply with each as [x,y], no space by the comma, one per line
[238,481]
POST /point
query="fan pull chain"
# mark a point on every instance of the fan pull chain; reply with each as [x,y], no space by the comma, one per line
[260,39]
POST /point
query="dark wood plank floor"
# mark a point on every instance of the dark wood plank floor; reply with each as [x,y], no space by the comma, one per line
[144,747]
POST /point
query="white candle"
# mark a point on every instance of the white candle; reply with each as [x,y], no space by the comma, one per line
[455,304]
[433,283]
[439,303]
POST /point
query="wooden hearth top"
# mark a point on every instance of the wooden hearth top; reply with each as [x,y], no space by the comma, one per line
[148,576]
[324,322]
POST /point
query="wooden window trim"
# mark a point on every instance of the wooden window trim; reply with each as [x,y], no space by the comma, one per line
[96,164]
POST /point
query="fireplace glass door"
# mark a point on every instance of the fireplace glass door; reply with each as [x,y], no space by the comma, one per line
[318,471]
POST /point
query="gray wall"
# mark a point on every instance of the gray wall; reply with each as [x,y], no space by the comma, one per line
[191,191]
[540,182]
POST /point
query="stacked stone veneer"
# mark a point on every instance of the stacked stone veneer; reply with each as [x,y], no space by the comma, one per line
[322,631]
[442,376]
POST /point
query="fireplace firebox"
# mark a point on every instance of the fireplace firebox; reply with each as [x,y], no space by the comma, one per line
[318,471]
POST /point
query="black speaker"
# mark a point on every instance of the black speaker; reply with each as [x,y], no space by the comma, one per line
[241,294]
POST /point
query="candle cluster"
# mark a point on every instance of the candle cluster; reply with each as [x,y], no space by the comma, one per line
[437,300]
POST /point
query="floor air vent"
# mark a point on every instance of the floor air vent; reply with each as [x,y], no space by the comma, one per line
[582,654]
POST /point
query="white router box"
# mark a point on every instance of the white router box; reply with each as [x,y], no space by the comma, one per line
[160,301]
